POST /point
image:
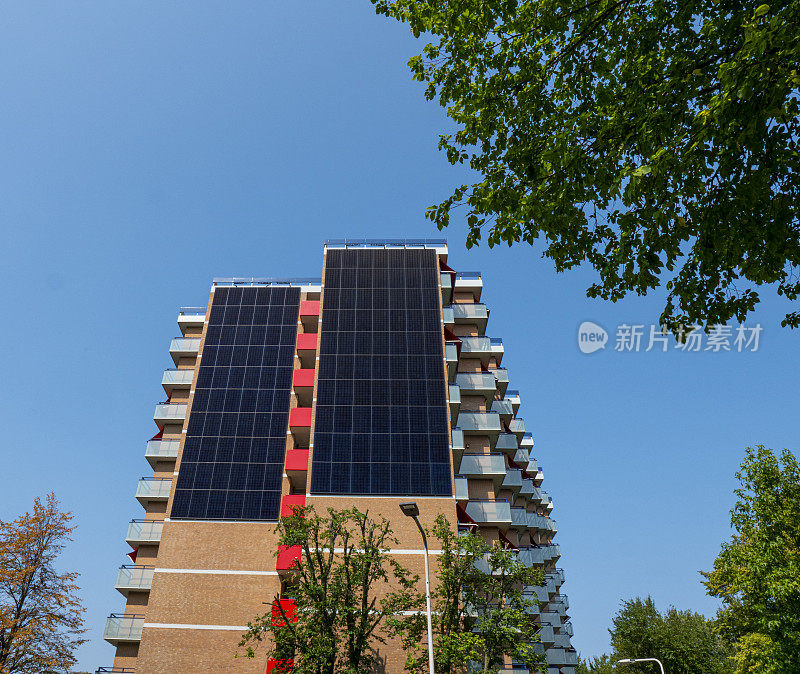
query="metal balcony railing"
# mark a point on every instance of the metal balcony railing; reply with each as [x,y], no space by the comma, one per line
[135,577]
[123,627]
[144,531]
[162,449]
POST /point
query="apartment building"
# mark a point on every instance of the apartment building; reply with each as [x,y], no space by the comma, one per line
[373,385]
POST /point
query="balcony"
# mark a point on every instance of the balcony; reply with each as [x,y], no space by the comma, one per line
[454,397]
[184,347]
[542,554]
[191,317]
[561,658]
[501,377]
[547,635]
[307,343]
[309,315]
[484,466]
[447,287]
[517,427]
[448,318]
[519,518]
[134,579]
[477,383]
[291,501]
[507,443]
[537,593]
[153,489]
[169,413]
[557,576]
[300,425]
[160,450]
[542,523]
[461,487]
[480,423]
[476,347]
[143,531]
[451,358]
[537,496]
[471,314]
[288,557]
[456,443]
[123,628]
[497,349]
[504,409]
[281,607]
[177,379]
[469,281]
[303,386]
[513,396]
[521,457]
[489,511]
[297,468]
[512,480]
[527,441]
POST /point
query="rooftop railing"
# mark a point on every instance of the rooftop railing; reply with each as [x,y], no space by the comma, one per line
[385,243]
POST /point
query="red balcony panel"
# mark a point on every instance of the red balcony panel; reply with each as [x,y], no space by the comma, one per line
[289,607]
[289,501]
[279,666]
[303,378]
[297,459]
[288,556]
[307,341]
[300,417]
[309,308]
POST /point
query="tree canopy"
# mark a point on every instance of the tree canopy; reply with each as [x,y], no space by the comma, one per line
[655,141]
[41,616]
[343,586]
[684,641]
[757,572]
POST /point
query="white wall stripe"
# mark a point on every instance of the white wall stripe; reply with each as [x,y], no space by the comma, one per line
[176,626]
[222,572]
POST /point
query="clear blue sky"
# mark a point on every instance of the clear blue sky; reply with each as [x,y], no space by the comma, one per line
[146,147]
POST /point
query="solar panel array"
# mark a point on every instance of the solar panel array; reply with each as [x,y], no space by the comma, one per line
[381,420]
[233,455]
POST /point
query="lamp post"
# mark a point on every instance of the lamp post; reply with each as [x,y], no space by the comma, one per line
[412,510]
[630,661]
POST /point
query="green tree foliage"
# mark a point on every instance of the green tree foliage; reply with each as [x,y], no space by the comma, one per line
[684,641]
[345,585]
[757,573]
[601,665]
[654,140]
[481,613]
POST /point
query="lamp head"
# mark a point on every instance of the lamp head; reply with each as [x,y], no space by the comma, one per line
[626,661]
[410,509]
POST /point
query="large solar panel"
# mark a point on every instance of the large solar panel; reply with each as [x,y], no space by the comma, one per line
[233,455]
[381,421]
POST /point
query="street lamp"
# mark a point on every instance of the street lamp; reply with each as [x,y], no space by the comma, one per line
[412,510]
[630,661]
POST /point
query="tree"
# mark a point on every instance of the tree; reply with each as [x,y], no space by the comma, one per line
[600,665]
[653,140]
[757,573]
[481,613]
[344,585]
[41,616]
[684,641]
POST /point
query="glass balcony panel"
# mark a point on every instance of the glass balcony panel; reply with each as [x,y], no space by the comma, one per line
[144,532]
[519,518]
[162,449]
[479,423]
[153,489]
[507,443]
[185,345]
[447,316]
[465,313]
[461,488]
[522,457]
[489,511]
[512,480]
[483,465]
[134,578]
[177,378]
[477,383]
[503,408]
[127,627]
[517,426]
[170,412]
[476,347]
